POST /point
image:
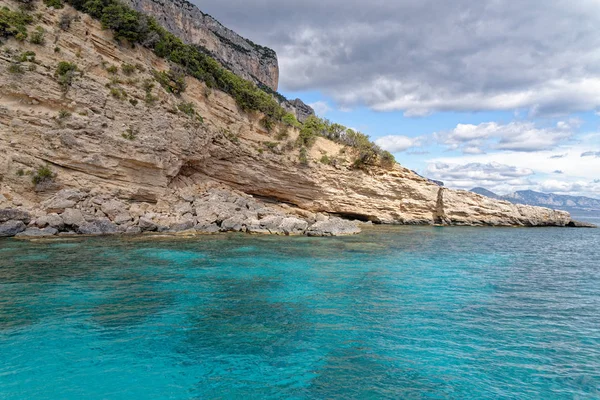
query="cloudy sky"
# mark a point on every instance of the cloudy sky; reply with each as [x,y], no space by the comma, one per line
[502,94]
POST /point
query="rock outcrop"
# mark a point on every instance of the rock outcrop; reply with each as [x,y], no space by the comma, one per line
[297,107]
[202,210]
[249,60]
[114,153]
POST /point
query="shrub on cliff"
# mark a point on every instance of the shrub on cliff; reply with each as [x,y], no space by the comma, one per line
[387,160]
[42,175]
[65,21]
[303,156]
[325,160]
[311,128]
[14,23]
[27,56]
[65,73]
[57,4]
[130,134]
[290,120]
[173,81]
[27,4]
[128,69]
[267,123]
[16,68]
[138,28]
[37,37]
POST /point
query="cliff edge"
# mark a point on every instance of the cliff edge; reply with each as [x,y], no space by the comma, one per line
[114,151]
[245,58]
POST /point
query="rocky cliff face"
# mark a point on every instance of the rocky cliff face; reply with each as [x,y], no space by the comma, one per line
[156,158]
[245,58]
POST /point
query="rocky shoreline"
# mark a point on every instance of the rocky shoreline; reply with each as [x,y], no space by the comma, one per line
[215,210]
[76,212]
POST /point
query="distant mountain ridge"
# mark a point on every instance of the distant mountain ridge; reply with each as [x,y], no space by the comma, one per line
[550,200]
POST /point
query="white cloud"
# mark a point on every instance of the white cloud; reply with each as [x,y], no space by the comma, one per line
[579,174]
[397,143]
[595,154]
[428,56]
[321,107]
[477,172]
[515,136]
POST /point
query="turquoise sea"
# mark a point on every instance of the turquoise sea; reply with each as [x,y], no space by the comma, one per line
[394,313]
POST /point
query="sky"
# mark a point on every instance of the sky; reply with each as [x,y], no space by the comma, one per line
[499,94]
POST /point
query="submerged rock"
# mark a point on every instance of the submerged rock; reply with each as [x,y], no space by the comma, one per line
[333,227]
[37,232]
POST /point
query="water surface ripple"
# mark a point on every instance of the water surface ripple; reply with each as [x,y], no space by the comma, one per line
[396,313]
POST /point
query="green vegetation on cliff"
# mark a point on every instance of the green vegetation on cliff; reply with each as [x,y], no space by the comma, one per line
[366,152]
[14,23]
[138,28]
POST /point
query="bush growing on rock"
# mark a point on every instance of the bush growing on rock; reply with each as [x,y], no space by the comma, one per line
[65,21]
[267,123]
[27,4]
[57,4]
[187,108]
[290,120]
[303,156]
[37,37]
[283,133]
[173,81]
[16,68]
[130,134]
[232,137]
[128,69]
[14,23]
[387,160]
[64,114]
[43,174]
[65,73]
[118,93]
[138,28]
[27,56]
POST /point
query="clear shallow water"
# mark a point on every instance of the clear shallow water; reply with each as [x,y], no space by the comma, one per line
[393,313]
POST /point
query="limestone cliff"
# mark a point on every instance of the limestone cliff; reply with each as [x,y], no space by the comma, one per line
[251,61]
[118,136]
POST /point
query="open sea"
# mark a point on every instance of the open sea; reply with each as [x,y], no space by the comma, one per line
[394,313]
